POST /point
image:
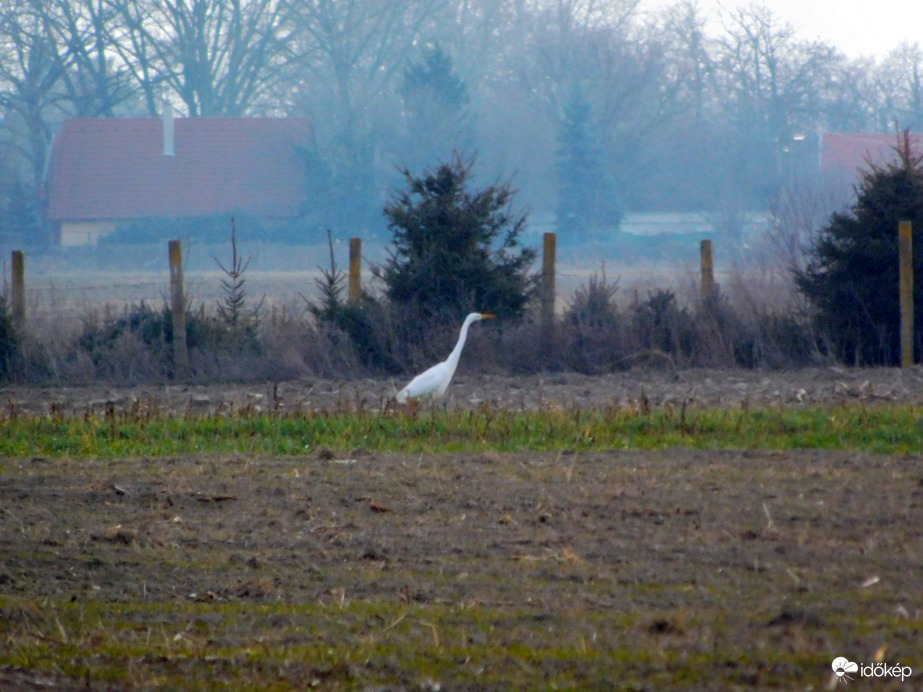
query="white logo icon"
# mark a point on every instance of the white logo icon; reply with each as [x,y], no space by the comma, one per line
[841,666]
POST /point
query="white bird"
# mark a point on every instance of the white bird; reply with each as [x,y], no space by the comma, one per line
[435,381]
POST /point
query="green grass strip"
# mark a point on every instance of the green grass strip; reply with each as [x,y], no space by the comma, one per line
[887,429]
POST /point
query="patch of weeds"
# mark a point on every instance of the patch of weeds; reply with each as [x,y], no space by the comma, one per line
[592,328]
[362,327]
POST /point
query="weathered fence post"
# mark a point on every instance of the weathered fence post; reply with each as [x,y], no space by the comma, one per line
[905,252]
[549,250]
[355,266]
[18,289]
[708,270]
[178,309]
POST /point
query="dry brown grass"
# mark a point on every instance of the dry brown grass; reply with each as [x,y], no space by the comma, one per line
[759,324]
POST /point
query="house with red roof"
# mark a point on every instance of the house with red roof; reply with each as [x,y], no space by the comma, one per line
[844,153]
[106,172]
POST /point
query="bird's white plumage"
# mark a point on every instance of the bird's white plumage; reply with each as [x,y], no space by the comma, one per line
[434,381]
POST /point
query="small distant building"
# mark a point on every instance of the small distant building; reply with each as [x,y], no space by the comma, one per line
[844,153]
[105,172]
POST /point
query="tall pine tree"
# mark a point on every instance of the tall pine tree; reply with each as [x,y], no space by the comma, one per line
[586,196]
[436,113]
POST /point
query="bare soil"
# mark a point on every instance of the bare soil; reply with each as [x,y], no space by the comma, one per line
[614,570]
[704,388]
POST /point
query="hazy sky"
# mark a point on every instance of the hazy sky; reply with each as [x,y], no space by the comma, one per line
[856,27]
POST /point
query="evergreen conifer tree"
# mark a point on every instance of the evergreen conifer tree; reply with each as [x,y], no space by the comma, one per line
[436,112]
[586,197]
[9,341]
[455,250]
[852,274]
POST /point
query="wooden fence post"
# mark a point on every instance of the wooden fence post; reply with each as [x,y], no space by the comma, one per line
[708,270]
[355,267]
[905,252]
[178,309]
[549,251]
[18,289]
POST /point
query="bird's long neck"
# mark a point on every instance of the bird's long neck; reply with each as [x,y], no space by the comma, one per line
[452,360]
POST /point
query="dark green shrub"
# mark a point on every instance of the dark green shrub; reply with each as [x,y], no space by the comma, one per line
[138,346]
[363,327]
[9,341]
[132,347]
[776,341]
[148,325]
[661,324]
[592,328]
[594,304]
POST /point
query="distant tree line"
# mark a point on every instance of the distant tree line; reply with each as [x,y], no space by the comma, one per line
[594,107]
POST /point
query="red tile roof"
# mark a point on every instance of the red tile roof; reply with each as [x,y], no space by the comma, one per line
[843,153]
[112,168]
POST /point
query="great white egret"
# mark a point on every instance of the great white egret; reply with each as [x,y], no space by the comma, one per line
[435,381]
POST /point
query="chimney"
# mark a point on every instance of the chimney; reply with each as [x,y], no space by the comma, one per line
[169,149]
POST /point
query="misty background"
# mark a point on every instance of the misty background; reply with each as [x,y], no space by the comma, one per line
[620,130]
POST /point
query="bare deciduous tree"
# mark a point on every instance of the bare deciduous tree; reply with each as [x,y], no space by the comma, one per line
[612,70]
[797,214]
[900,81]
[219,56]
[31,67]
[352,53]
[354,50]
[88,31]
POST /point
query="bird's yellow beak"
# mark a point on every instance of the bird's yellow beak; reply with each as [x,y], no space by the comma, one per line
[487,316]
